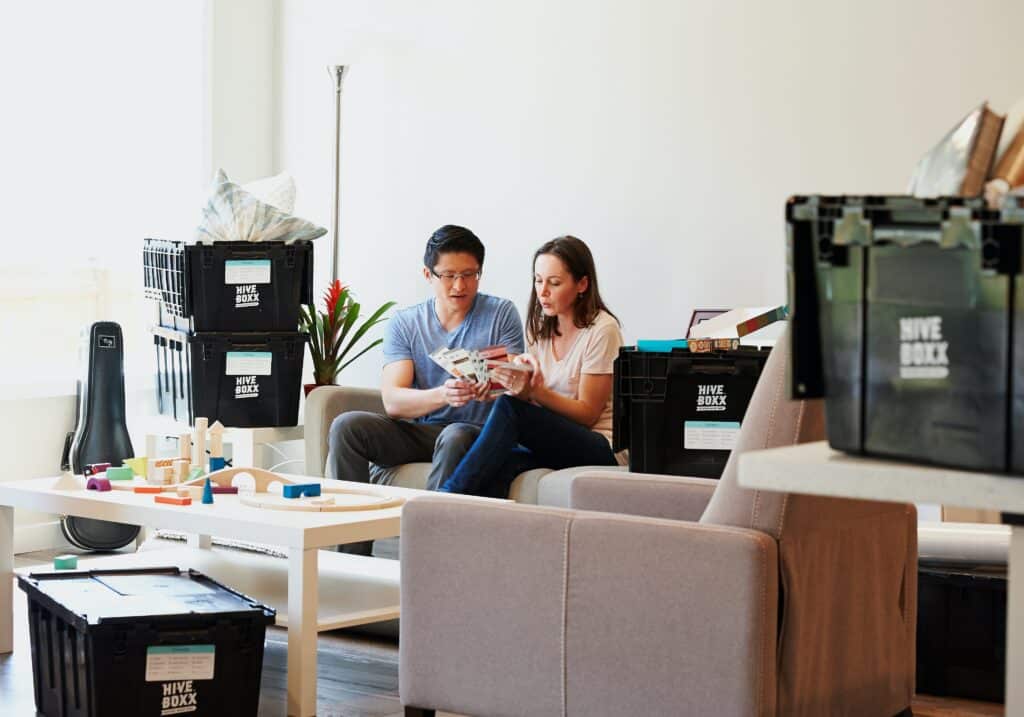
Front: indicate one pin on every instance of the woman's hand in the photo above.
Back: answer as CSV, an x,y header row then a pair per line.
x,y
520,383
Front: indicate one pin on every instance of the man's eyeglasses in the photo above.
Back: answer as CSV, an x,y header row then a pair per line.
x,y
449,277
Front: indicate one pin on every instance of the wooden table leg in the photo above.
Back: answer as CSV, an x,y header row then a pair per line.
x,y
302,631
1015,623
6,578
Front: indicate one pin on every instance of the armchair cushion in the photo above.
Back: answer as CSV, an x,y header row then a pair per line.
x,y
655,496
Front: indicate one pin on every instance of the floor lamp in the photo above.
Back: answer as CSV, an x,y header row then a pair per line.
x,y
337,73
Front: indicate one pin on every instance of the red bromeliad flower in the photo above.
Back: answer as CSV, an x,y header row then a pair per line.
x,y
332,295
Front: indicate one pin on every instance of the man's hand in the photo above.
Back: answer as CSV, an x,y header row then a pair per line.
x,y
458,392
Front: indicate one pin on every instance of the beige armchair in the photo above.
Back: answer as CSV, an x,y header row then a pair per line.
x,y
680,597
541,486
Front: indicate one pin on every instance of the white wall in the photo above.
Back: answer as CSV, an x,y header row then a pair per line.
x,y
665,134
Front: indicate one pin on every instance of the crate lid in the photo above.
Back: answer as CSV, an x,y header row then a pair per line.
x,y
97,596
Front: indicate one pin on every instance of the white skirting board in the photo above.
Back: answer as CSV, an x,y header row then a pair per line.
x,y
39,536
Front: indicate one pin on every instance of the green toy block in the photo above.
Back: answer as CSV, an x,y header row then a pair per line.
x,y
65,562
195,473
120,473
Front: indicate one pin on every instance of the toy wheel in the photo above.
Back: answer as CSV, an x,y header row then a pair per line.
x,y
92,534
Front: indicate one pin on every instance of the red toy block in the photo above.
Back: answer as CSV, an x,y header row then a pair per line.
x,y
92,469
148,489
173,499
224,489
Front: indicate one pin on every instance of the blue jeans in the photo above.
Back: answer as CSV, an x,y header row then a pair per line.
x,y
519,436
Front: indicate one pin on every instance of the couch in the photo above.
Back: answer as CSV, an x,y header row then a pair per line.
x,y
538,487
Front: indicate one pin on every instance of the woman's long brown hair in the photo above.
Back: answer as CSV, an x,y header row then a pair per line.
x,y
580,262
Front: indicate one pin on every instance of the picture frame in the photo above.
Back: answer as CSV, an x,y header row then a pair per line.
x,y
700,315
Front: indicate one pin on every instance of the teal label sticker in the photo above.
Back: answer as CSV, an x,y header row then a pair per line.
x,y
247,271
710,435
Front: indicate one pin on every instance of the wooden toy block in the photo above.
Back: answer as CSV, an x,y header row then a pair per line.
x,y
300,489
216,463
323,500
218,489
172,499
181,466
195,473
100,484
216,442
120,473
65,562
185,446
148,489
93,468
189,491
199,431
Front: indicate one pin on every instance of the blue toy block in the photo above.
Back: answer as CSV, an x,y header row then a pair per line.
x,y
216,464
310,490
207,492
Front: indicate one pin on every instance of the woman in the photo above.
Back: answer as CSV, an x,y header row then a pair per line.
x,y
558,409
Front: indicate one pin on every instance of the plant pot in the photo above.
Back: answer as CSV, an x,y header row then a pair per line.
x,y
307,387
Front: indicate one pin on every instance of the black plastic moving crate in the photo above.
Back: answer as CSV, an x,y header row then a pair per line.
x,y
247,379
904,318
961,633
678,412
145,643
229,286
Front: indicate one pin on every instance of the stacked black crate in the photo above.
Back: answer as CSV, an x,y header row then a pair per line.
x,y
226,338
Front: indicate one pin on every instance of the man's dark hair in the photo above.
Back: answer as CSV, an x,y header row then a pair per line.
x,y
450,239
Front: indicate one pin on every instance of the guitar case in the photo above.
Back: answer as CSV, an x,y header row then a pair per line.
x,y
101,434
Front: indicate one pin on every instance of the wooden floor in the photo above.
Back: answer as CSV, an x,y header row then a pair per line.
x,y
357,675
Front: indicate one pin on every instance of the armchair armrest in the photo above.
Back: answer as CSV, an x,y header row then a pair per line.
x,y
323,405
654,496
599,613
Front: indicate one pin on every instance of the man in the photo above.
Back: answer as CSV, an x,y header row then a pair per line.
x,y
430,416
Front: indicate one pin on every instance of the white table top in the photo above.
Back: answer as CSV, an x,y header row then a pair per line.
x,y
227,517
816,469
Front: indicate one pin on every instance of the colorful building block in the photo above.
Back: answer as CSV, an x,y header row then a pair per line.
x,y
65,562
148,489
120,473
172,500
218,489
92,469
207,493
216,463
300,489
100,484
138,465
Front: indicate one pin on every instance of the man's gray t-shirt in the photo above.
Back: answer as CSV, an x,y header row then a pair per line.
x,y
414,332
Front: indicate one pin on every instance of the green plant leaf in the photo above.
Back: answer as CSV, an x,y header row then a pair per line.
x,y
350,319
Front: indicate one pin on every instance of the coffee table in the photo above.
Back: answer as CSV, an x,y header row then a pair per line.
x,y
356,590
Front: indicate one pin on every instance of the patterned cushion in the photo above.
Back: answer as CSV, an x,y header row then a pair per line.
x,y
234,214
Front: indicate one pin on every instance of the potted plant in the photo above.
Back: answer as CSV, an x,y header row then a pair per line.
x,y
333,333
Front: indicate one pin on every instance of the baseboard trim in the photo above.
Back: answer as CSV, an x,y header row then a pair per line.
x,y
39,536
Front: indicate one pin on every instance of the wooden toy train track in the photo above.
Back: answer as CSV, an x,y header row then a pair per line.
x,y
328,499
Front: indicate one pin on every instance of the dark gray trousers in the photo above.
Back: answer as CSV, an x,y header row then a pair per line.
x,y
361,442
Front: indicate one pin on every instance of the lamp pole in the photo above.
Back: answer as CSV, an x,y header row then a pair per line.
x,y
337,72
